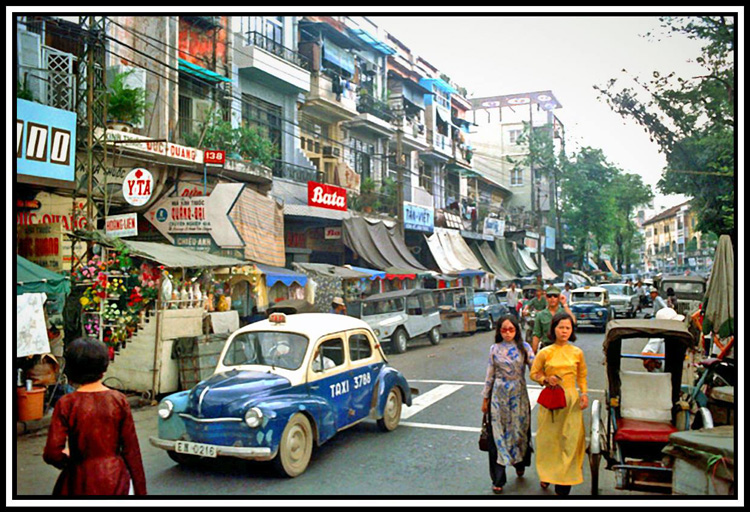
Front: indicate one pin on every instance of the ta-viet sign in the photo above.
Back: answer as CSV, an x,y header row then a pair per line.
x,y
137,187
326,196
122,225
419,218
203,215
45,141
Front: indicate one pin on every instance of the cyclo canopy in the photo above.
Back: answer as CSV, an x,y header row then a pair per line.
x,y
677,339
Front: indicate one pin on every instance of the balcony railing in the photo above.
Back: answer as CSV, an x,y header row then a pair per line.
x,y
442,142
369,105
259,40
296,173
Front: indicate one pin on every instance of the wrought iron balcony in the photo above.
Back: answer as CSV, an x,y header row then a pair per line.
x,y
296,173
259,40
369,105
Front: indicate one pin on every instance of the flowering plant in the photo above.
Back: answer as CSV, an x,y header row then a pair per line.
x,y
115,286
135,300
89,270
91,326
111,313
90,299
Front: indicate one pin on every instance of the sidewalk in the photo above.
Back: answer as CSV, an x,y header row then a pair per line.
x,y
28,427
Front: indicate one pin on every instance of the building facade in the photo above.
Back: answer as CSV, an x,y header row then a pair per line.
x,y
672,243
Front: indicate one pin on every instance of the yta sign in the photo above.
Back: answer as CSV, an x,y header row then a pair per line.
x,y
326,196
137,187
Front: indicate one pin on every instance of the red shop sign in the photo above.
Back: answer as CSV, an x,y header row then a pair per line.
x,y
326,196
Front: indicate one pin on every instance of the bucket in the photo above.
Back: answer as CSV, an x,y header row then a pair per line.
x,y
30,404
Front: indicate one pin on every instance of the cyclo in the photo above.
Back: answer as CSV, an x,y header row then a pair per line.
x,y
642,409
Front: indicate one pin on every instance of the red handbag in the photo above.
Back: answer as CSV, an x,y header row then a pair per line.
x,y
552,397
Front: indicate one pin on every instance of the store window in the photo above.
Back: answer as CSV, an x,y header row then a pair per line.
x,y
516,177
265,116
514,135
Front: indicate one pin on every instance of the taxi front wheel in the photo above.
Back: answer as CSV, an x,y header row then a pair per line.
x,y
296,446
392,411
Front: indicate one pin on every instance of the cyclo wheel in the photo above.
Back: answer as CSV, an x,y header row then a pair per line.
x,y
595,446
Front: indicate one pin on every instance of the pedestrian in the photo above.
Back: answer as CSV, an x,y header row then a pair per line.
x,y
561,436
338,306
506,398
512,298
640,290
543,320
657,300
567,292
538,303
102,456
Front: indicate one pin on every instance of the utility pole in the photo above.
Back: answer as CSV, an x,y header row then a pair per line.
x,y
536,211
399,170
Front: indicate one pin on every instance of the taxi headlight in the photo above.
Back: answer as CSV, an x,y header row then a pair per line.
x,y
600,313
377,332
165,409
253,417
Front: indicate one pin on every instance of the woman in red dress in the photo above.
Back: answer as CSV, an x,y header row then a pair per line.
x,y
103,456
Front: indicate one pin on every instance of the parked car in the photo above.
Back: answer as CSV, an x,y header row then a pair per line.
x,y
400,316
591,306
689,291
282,386
623,298
456,307
488,309
502,296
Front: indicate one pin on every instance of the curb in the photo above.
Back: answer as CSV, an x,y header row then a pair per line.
x,y
32,426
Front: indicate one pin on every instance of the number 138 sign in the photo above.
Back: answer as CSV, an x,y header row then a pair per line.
x,y
214,157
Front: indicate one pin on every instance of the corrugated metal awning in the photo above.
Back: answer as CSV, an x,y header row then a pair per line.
x,y
176,257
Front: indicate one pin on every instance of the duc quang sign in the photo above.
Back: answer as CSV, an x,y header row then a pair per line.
x,y
45,141
419,218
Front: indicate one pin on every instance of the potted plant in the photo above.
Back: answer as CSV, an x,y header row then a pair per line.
x,y
368,198
126,105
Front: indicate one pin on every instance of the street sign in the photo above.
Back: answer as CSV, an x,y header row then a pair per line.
x,y
137,187
214,157
200,215
122,225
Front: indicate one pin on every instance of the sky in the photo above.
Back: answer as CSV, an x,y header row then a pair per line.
x,y
494,54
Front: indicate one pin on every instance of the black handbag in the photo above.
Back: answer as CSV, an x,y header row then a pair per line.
x,y
484,434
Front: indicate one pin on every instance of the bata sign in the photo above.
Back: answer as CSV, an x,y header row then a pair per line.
x,y
326,196
137,187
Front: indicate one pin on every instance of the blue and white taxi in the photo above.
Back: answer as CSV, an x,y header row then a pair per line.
x,y
281,386
591,306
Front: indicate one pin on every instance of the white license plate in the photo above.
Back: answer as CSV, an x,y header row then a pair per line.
x,y
584,322
201,450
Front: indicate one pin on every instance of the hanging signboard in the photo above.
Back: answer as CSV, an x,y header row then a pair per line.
x,y
146,145
326,196
42,244
332,233
200,215
419,218
214,157
549,237
45,141
137,187
122,225
494,227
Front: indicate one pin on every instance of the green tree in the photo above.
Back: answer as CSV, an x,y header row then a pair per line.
x,y
629,193
588,203
692,121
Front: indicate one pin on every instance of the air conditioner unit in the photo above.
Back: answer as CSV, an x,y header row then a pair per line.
x,y
331,151
369,69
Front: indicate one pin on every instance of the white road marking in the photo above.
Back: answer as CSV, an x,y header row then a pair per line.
x,y
425,400
466,383
454,428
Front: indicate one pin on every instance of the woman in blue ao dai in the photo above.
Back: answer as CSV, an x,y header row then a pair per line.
x,y
507,399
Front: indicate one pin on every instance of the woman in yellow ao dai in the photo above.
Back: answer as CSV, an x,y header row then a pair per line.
x,y
560,434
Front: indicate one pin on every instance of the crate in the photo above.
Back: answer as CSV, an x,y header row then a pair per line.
x,y
201,362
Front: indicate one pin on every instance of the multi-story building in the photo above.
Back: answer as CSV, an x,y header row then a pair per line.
x,y
672,244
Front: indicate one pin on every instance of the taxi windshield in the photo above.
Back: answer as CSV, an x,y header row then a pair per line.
x,y
282,349
586,297
617,289
382,307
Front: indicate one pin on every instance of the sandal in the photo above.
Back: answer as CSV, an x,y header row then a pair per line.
x,y
520,472
544,484
497,490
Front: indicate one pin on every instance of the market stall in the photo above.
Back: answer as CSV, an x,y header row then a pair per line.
x,y
37,368
328,281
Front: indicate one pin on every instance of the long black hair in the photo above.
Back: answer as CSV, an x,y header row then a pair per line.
x,y
560,316
518,339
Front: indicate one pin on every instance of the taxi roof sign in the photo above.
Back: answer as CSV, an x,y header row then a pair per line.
x,y
277,318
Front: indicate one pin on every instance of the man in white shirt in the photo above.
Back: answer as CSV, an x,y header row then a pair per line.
x,y
659,303
512,298
567,292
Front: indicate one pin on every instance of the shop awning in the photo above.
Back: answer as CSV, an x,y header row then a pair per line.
x,y
32,278
492,263
179,257
201,72
504,253
332,270
373,41
609,266
381,246
547,273
439,83
281,275
526,258
373,274
338,57
450,251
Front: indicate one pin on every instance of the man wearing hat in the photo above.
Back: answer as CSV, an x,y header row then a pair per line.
x,y
543,319
656,345
657,300
338,307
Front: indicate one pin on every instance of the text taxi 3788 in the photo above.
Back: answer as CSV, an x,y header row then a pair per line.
x,y
282,385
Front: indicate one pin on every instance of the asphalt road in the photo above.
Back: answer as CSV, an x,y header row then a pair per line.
x,y
433,453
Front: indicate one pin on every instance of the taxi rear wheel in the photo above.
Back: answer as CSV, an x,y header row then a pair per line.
x,y
392,411
296,446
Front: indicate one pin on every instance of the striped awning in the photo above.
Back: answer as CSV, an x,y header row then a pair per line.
x,y
201,72
260,221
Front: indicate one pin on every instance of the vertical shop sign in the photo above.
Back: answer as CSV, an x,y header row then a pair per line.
x,y
42,244
45,141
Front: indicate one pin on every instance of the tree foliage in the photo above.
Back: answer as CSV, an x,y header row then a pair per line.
x,y
692,120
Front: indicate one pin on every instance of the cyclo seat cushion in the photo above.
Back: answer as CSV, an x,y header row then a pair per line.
x,y
639,431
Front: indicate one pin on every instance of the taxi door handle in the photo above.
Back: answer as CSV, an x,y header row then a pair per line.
x,y
314,387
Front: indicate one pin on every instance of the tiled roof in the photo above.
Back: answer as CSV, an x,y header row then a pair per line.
x,y
670,212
